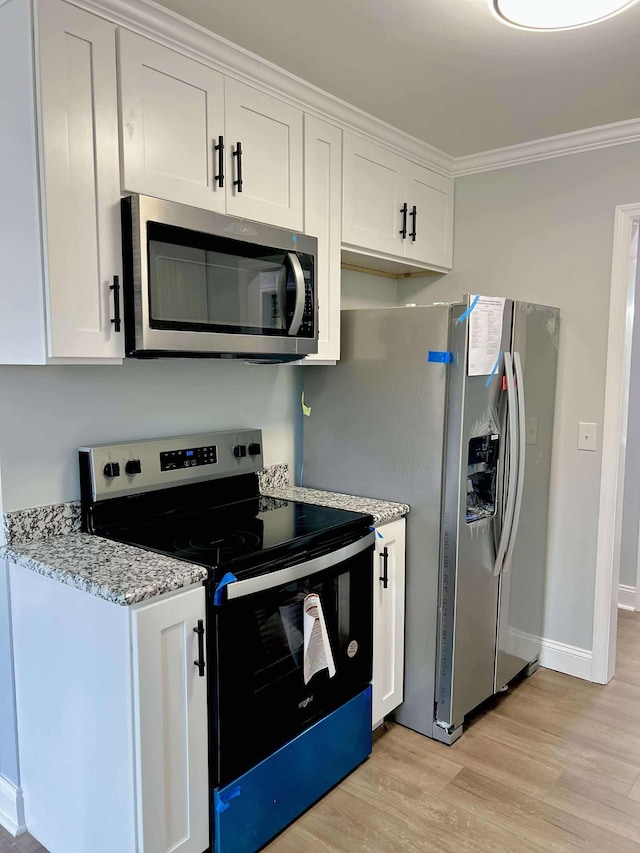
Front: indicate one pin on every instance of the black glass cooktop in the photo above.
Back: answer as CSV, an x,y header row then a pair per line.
x,y
246,535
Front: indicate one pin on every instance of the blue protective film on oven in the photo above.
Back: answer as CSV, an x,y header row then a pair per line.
x,y
217,595
278,789
440,357
221,799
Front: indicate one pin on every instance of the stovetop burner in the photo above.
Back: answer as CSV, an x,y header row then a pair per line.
x,y
217,546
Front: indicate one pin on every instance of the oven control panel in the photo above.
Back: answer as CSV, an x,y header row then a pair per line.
x,y
170,460
117,470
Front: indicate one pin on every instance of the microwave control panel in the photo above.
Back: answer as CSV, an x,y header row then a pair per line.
x,y
306,326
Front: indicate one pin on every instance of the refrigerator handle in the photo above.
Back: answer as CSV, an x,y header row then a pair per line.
x,y
507,520
522,450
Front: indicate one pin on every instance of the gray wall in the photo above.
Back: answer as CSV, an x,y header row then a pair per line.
x,y
46,412
543,232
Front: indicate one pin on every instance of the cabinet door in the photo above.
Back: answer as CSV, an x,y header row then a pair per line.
x,y
172,112
81,188
432,196
373,197
323,219
388,619
270,132
170,702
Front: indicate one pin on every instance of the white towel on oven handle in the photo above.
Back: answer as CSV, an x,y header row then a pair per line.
x,y
317,649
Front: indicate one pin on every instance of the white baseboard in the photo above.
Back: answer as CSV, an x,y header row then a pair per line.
x,y
11,807
572,660
626,597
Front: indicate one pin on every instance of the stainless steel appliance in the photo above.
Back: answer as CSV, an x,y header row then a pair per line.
x,y
197,283
471,454
280,732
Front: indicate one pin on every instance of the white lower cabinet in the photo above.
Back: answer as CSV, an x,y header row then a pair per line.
x,y
388,619
170,703
112,719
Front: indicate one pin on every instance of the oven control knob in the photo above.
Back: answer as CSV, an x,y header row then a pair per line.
x,y
133,466
254,449
111,469
240,451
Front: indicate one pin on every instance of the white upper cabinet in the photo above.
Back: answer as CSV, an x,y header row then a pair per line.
x,y
395,208
172,112
429,216
373,193
191,135
59,256
269,162
322,219
79,138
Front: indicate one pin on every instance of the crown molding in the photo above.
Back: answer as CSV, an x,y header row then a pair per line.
x,y
605,136
155,22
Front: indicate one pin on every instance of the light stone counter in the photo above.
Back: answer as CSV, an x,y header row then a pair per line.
x,y
48,541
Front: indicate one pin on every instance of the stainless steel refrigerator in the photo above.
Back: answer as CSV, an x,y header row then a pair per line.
x,y
419,411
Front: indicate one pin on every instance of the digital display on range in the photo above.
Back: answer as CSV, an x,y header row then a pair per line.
x,y
172,460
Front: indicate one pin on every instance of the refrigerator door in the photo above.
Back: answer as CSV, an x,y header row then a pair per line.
x,y
473,503
522,582
376,428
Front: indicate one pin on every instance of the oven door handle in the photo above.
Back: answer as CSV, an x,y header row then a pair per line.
x,y
282,577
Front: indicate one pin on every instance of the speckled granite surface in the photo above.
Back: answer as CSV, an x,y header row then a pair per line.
x,y
273,477
39,522
380,510
47,541
118,573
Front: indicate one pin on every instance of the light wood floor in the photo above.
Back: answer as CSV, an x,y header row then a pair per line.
x,y
551,765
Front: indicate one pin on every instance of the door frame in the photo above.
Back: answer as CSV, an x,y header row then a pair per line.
x,y
614,439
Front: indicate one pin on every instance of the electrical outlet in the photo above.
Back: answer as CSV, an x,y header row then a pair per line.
x,y
532,430
587,434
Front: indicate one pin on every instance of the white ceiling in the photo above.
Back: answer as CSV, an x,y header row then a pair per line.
x,y
444,71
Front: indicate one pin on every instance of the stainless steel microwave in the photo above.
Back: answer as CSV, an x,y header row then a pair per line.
x,y
201,284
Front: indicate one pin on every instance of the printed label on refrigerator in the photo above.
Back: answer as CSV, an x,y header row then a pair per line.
x,y
485,334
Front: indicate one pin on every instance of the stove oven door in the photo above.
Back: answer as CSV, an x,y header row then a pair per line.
x,y
259,697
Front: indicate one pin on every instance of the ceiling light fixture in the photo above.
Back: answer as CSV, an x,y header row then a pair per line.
x,y
556,14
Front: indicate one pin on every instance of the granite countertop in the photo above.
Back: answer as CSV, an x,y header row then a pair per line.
x,y
47,540
382,511
111,570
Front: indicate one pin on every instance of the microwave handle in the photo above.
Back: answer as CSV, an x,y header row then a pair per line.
x,y
298,311
282,577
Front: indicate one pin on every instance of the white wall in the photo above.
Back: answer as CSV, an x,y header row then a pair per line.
x,y
631,500
47,412
543,232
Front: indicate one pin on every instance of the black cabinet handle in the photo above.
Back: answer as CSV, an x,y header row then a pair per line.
x,y
117,322
220,149
238,153
200,662
414,216
385,567
403,230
